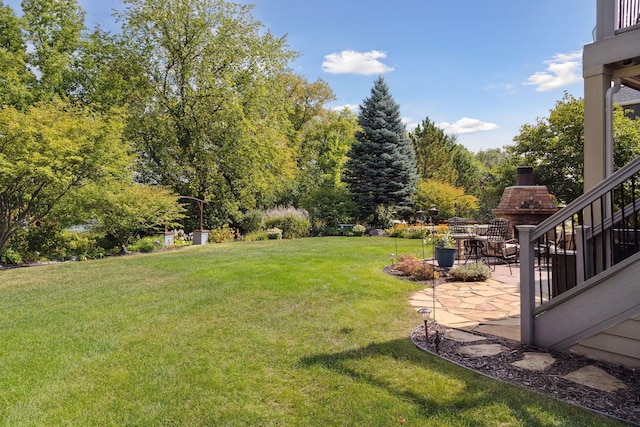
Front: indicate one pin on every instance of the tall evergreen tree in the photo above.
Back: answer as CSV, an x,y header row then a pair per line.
x,y
381,169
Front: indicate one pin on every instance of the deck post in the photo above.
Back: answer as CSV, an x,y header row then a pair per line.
x,y
527,283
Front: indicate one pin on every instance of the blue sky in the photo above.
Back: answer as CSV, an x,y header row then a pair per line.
x,y
480,69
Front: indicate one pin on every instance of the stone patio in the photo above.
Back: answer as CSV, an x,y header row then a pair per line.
x,y
493,307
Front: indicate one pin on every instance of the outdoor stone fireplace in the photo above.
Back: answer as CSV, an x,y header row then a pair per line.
x,y
525,203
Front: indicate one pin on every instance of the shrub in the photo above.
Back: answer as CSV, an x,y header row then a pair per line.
x,y
473,272
255,236
415,268
10,256
274,234
293,222
358,230
251,222
328,207
146,244
221,235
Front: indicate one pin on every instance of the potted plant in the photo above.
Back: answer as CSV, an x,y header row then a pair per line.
x,y
445,249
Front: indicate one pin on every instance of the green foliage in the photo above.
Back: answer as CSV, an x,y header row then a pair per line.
x,y
498,174
145,244
222,235
274,233
381,169
449,200
123,210
443,239
53,30
292,222
555,145
10,256
323,143
412,232
15,78
50,152
213,120
328,207
434,152
471,272
358,230
251,222
383,216
255,236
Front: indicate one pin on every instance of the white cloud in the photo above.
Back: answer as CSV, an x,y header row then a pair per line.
x,y
563,70
353,107
409,124
467,125
506,87
352,62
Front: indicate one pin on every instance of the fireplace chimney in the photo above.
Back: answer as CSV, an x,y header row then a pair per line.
x,y
525,203
525,176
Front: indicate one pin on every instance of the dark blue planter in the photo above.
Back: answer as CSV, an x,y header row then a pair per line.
x,y
446,257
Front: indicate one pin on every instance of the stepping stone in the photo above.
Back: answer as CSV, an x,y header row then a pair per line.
x,y
481,350
460,336
535,361
595,378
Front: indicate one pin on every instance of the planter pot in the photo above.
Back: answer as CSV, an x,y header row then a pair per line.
x,y
446,257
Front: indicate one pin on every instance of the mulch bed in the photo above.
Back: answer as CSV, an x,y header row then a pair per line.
x,y
622,404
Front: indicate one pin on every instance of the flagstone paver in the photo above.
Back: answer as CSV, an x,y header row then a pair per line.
x,y
461,336
481,350
469,305
535,361
594,377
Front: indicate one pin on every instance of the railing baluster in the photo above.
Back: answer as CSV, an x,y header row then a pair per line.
x,y
608,218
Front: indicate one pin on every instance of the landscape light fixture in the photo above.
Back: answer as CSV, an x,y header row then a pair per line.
x,y
426,315
433,212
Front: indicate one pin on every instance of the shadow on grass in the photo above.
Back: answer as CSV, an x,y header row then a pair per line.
x,y
476,397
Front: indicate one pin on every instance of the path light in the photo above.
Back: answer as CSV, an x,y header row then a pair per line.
x,y
426,315
433,212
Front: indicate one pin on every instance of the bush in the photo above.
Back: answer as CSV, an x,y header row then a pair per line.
x,y
251,222
358,230
473,272
328,207
404,232
293,222
255,236
10,256
274,234
146,244
415,268
221,235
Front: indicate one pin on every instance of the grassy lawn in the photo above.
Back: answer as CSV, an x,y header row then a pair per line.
x,y
307,332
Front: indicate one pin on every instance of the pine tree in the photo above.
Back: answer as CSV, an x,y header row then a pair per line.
x,y
381,170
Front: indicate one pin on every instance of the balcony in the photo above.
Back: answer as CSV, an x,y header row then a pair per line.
x,y
616,42
615,17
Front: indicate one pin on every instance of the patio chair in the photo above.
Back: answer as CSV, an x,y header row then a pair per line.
x,y
498,246
459,230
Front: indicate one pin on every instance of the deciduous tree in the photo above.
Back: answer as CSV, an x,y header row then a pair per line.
x,y
213,123
48,152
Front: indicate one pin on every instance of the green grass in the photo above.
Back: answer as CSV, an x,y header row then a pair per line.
x,y
307,332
